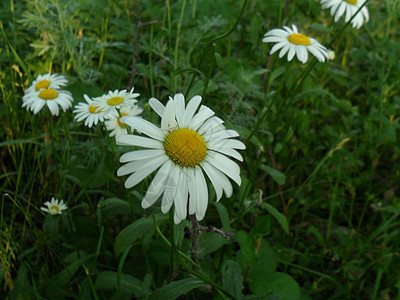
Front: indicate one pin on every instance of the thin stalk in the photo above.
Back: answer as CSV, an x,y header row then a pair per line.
x,y
194,248
177,44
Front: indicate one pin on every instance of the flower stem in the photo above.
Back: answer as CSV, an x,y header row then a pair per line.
x,y
194,248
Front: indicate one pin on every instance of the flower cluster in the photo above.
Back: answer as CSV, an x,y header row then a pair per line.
x,y
109,109
291,42
46,90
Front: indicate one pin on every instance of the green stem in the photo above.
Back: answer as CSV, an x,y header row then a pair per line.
x,y
177,44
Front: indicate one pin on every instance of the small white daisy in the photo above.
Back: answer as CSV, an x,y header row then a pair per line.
x,y
186,145
348,7
54,207
47,81
293,42
115,125
88,112
109,103
53,98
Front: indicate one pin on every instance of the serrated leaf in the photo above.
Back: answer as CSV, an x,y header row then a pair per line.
x,y
124,283
176,289
278,216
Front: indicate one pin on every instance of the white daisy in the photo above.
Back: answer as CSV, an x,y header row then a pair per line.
x,y
350,7
109,103
293,42
187,144
47,81
53,98
115,125
88,112
54,207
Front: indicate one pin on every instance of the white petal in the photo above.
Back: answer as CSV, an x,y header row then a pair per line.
x,y
278,46
192,187
229,143
191,109
168,119
179,109
171,185
144,126
210,125
138,176
285,50
198,120
291,53
202,194
220,135
135,140
157,186
213,176
53,107
140,154
225,165
157,106
181,196
228,151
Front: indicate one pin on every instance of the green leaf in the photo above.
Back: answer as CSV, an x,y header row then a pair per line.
x,y
279,177
275,74
224,216
279,283
176,289
278,216
114,206
126,284
210,242
65,275
232,278
247,246
135,231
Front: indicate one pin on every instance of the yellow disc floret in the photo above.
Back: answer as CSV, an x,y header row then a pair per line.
x,y
115,101
352,2
119,122
185,147
299,39
42,84
48,94
92,109
55,207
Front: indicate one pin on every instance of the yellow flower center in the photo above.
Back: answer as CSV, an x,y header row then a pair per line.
x,y
185,147
352,2
42,84
92,109
119,122
48,94
54,207
115,101
299,39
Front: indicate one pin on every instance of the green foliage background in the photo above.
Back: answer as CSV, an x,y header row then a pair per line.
x,y
317,214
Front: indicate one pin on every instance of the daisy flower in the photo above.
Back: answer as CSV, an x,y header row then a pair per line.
x,y
47,81
35,100
186,145
116,126
109,103
54,207
350,7
88,112
293,42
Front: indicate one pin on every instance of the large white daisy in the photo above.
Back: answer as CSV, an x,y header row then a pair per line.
x,y
54,207
47,81
292,42
53,98
109,103
116,126
348,7
186,145
88,112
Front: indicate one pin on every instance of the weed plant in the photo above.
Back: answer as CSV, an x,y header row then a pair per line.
x,y
317,213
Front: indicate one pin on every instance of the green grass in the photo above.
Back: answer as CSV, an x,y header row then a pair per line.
x,y
323,153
